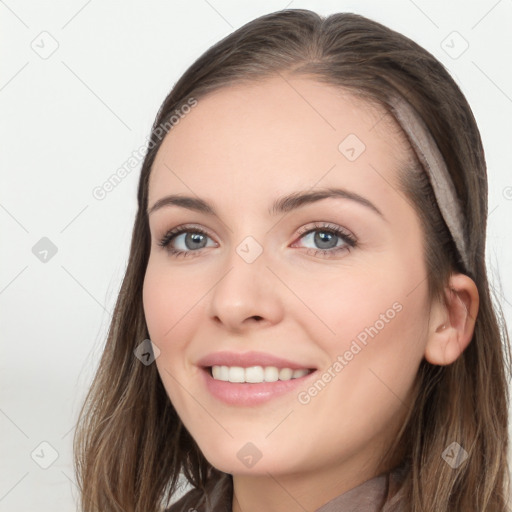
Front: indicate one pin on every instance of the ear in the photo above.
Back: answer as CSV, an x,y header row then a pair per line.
x,y
452,324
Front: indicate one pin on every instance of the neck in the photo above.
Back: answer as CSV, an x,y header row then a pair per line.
x,y
297,492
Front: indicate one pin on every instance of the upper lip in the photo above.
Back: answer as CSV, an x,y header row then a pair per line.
x,y
246,359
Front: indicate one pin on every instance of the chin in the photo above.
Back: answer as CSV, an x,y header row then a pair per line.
x,y
246,457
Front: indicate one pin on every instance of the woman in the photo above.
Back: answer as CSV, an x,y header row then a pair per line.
x,y
308,262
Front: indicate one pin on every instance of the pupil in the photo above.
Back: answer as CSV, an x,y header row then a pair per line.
x,y
323,237
195,238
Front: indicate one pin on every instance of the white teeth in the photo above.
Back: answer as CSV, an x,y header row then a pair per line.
x,y
256,374
285,373
236,374
220,372
271,374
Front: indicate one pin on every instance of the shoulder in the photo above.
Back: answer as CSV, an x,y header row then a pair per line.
x,y
396,500
188,501
215,497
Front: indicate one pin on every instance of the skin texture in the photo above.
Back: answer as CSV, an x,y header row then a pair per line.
x,y
239,149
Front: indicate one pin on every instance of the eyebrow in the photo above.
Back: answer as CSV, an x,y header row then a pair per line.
x,y
283,204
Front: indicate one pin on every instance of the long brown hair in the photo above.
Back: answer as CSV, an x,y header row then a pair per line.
x,y
130,445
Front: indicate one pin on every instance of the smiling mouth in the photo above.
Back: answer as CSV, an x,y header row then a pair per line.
x,y
255,374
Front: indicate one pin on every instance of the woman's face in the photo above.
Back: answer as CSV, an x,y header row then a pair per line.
x,y
268,278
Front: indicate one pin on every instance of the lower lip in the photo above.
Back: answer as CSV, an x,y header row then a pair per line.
x,y
248,394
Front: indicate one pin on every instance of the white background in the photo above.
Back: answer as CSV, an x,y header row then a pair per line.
x,y
70,120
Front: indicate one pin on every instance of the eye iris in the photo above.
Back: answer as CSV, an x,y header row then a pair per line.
x,y
322,237
194,238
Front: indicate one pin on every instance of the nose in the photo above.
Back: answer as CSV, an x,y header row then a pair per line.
x,y
248,294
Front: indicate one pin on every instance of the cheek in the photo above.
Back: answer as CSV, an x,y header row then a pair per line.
x,y
381,347
372,363
169,309
173,306
344,304
169,300
373,321
158,300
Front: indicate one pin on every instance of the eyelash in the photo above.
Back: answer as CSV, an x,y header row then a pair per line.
x,y
349,240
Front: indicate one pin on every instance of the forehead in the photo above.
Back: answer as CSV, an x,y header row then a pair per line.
x,y
279,134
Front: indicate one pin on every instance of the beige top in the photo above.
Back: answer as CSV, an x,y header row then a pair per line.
x,y
370,496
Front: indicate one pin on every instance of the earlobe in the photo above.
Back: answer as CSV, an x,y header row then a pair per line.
x,y
452,324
